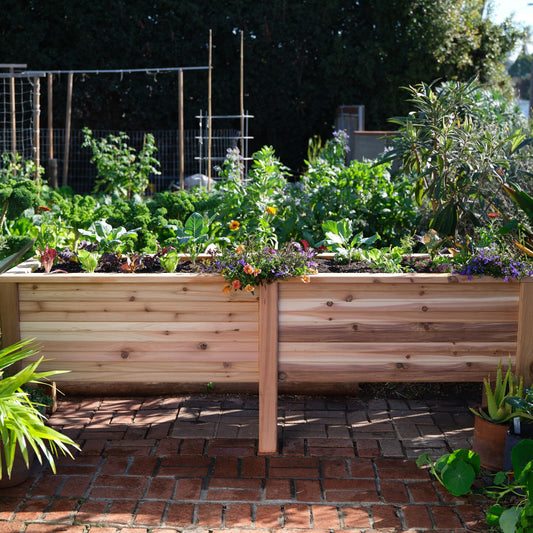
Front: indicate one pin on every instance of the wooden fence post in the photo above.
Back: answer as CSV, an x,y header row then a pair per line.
x,y
268,369
524,348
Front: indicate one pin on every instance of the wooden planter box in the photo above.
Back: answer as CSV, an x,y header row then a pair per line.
x,y
145,328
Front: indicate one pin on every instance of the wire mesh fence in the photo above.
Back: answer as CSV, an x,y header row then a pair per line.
x,y
82,173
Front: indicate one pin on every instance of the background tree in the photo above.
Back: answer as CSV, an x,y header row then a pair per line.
x,y
303,58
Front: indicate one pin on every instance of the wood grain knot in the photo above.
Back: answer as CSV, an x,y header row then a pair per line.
x,y
132,298
424,308
349,298
355,327
329,303
202,346
124,355
282,376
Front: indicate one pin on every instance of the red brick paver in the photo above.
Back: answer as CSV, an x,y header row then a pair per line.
x,y
341,466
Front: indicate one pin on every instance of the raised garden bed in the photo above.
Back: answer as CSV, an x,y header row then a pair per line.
x,y
110,329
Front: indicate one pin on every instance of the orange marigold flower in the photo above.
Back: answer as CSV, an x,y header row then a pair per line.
x,y
249,288
248,269
271,210
236,285
227,289
234,225
240,249
44,208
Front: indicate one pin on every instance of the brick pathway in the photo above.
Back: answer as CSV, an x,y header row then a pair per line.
x,y
174,464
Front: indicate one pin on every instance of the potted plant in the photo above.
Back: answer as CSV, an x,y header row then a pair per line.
x,y
522,426
492,422
23,429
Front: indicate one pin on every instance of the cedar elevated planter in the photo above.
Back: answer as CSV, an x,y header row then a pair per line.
x,y
110,329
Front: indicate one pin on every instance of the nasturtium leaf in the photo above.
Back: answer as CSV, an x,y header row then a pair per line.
x,y
458,477
493,514
508,519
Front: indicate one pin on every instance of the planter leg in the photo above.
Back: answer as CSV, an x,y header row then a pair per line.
x,y
268,370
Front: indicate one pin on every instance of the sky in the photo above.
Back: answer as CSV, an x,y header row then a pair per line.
x,y
522,11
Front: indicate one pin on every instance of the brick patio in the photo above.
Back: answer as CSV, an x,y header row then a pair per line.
x,y
191,463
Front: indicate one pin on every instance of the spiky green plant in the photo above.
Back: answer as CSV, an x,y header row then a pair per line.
x,y
504,387
22,425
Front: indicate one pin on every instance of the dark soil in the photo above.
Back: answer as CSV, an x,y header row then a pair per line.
x,y
323,266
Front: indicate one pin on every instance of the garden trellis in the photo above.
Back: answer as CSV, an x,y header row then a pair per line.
x,y
207,140
20,112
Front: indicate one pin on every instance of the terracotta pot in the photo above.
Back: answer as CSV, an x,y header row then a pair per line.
x,y
20,471
489,443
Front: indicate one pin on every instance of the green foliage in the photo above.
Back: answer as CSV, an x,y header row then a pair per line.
x,y
505,386
177,204
367,194
122,171
109,239
340,239
169,261
458,471
22,425
255,205
450,143
88,260
18,191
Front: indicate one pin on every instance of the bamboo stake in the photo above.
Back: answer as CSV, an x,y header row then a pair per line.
x,y
67,127
37,127
13,112
242,104
181,132
52,163
209,110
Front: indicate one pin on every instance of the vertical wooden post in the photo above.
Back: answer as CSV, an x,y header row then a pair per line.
x,y
181,132
524,348
243,151
9,313
13,112
37,128
52,163
67,127
209,110
268,369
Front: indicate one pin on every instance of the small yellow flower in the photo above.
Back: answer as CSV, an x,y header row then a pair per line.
x,y
271,210
227,289
239,249
249,288
236,285
234,225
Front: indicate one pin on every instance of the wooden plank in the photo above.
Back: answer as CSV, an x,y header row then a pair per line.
x,y
224,354
389,372
154,372
268,370
139,293
141,316
335,351
354,331
9,314
386,278
524,352
318,319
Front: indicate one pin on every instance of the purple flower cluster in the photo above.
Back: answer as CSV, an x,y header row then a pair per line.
x,y
485,261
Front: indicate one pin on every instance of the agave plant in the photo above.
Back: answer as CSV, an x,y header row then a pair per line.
x,y
22,425
506,386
